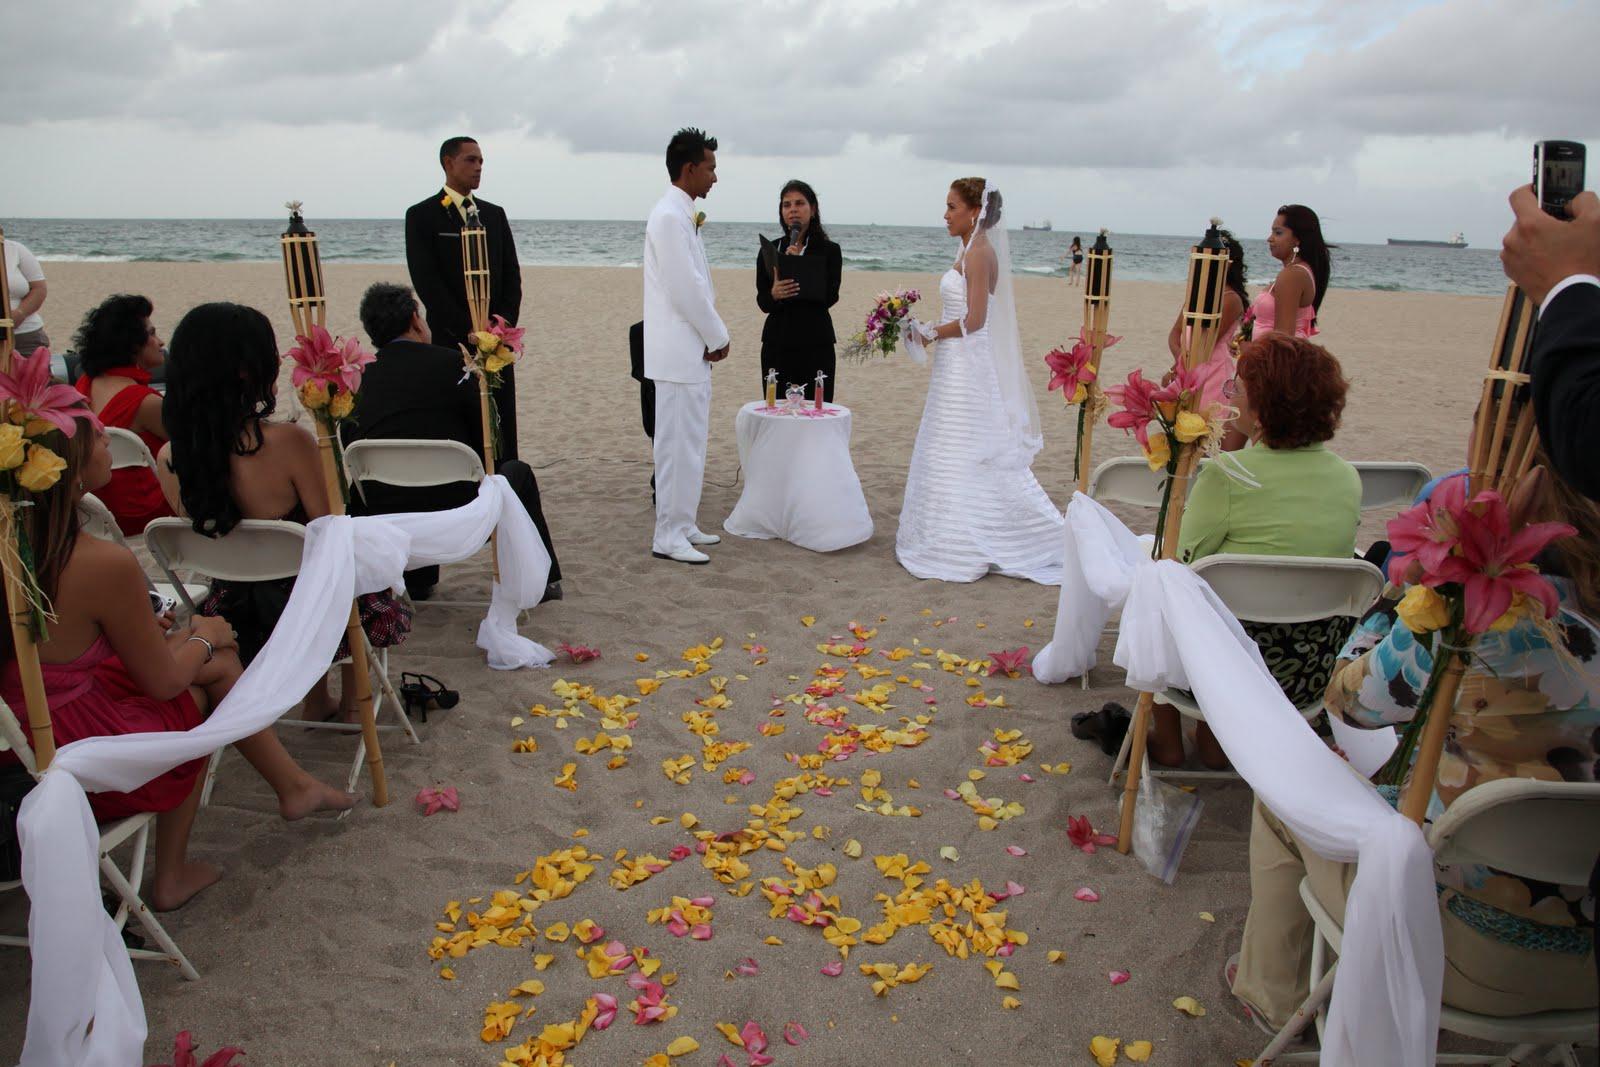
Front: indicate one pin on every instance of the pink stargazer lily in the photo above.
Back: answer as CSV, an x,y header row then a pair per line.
x,y
1136,399
508,335
183,1054
1011,663
1070,368
1493,562
31,389
1427,533
1197,389
328,359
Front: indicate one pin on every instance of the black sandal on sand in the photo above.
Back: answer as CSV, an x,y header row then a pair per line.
x,y
1108,726
424,691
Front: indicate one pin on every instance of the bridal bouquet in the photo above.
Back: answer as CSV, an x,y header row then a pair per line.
x,y
884,325
327,374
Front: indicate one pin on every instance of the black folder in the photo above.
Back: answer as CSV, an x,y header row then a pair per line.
x,y
809,271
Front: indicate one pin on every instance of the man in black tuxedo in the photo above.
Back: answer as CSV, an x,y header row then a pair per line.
x,y
433,255
1557,263
414,389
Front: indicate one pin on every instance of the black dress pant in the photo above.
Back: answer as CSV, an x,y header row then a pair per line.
x,y
526,486
798,365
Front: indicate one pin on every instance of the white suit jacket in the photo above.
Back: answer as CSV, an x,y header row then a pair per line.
x,y
680,314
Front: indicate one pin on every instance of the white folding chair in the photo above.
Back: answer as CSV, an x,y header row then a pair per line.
x,y
1544,831
260,550
1386,484
128,449
134,829
96,520
1273,589
413,463
1127,480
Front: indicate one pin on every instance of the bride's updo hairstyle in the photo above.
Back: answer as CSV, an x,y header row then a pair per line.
x,y
970,190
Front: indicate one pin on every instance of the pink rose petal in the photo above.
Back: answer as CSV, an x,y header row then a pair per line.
x,y
608,1010
1006,949
952,794
701,932
1087,895
726,1061
747,967
1013,889
1025,776
834,969
794,1033
1016,850
1118,977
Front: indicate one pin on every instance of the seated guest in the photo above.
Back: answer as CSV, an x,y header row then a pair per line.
x,y
112,667
117,349
1529,707
1285,495
415,389
226,462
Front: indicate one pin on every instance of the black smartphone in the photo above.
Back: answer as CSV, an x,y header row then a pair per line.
x,y
1557,174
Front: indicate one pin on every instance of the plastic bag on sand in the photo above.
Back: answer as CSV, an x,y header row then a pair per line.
x,y
1162,825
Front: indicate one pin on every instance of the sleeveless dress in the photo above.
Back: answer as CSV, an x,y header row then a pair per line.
x,y
965,514
253,608
94,696
1265,313
133,495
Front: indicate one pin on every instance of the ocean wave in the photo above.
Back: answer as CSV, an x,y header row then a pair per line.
x,y
85,257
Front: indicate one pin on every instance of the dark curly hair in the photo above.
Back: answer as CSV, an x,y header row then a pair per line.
x,y
1296,388
221,370
1237,279
795,185
112,334
386,311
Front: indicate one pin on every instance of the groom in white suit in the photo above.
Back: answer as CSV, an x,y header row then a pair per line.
x,y
683,336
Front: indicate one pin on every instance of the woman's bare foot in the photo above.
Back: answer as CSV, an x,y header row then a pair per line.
x,y
310,795
169,892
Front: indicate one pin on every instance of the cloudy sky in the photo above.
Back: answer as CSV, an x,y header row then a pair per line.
x,y
1391,117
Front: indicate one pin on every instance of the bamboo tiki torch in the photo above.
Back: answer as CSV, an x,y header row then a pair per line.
x,y
475,275
1202,316
1500,455
17,605
308,307
1096,318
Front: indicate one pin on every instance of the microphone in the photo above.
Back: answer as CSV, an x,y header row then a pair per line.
x,y
794,235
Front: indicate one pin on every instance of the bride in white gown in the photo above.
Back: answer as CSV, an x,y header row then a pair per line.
x,y
972,504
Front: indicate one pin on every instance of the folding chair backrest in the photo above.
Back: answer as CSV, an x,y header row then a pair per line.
x,y
1289,589
411,462
256,550
127,450
1127,480
96,520
1546,831
1390,484
14,736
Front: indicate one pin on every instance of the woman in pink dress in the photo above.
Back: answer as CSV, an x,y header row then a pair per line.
x,y
1291,303
119,348
112,667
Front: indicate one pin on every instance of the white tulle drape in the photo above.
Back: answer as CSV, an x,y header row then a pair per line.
x,y
1176,633
85,1007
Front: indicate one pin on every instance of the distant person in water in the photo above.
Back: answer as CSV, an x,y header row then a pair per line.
x,y
1075,266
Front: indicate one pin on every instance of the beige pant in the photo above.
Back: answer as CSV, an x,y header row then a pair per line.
x,y
1481,974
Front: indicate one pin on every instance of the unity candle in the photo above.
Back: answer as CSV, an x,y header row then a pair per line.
x,y
772,388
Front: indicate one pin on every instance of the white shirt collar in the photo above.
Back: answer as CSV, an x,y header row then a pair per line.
x,y
683,200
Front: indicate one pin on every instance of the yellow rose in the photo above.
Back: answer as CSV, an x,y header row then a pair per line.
x,y
1079,394
41,470
314,395
1521,607
496,363
1168,409
1159,452
1423,610
341,406
486,343
12,447
1189,427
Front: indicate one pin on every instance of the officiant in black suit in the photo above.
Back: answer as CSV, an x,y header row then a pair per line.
x,y
798,337
433,255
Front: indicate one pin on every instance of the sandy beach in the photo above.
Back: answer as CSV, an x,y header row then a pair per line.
x,y
314,948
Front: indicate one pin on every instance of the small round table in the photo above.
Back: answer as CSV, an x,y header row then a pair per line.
x,y
799,483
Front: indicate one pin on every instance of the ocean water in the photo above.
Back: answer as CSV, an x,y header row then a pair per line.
x,y
545,242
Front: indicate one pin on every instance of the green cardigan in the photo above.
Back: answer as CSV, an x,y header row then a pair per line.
x,y
1308,504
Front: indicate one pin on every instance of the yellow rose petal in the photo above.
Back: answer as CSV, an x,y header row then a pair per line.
x,y
682,1046
852,848
1189,1006
1207,917
1055,955
948,852
1104,1050
1138,1051
1010,1003
807,620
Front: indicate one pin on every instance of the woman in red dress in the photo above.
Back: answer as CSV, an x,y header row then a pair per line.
x,y
119,348
112,667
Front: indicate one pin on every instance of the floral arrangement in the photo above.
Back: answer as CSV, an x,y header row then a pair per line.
x,y
496,348
882,330
1073,372
327,374
1189,409
37,406
1469,567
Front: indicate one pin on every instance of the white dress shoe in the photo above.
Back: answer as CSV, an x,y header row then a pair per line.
x,y
683,555
698,538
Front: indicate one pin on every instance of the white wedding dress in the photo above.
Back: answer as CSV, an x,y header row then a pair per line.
x,y
972,504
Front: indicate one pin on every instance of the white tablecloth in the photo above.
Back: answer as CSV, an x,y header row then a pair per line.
x,y
799,483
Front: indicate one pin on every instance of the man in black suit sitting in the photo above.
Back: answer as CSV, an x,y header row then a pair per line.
x,y
433,255
415,389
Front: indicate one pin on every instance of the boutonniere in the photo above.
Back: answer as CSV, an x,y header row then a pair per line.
x,y
444,201
699,220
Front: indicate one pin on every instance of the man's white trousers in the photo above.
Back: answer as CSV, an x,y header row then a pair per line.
x,y
683,420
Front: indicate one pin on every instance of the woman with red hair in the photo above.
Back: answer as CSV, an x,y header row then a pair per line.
x,y
1285,494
